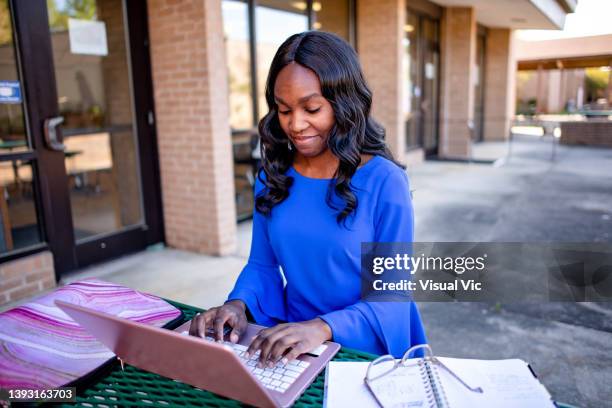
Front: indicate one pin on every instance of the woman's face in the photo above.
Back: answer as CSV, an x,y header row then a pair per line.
x,y
304,114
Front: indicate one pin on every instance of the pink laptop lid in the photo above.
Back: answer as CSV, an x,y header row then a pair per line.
x,y
203,364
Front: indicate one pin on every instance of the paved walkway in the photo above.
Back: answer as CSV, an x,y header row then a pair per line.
x,y
524,198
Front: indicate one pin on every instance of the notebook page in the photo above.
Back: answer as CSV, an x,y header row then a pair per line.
x,y
404,387
345,387
506,384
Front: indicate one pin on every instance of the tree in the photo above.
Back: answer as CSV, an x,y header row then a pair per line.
x,y
81,9
6,30
596,83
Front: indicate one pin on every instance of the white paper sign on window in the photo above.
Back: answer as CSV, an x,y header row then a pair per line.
x,y
430,71
87,37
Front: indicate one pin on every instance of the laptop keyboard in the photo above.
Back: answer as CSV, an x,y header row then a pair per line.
x,y
278,378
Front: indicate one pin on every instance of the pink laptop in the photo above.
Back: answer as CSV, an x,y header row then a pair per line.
x,y
217,367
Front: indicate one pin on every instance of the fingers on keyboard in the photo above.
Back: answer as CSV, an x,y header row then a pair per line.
x,y
278,378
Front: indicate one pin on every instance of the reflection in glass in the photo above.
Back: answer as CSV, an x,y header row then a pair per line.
x,y
421,81
412,90
12,121
18,222
19,226
243,144
429,102
94,91
276,20
237,46
479,88
236,31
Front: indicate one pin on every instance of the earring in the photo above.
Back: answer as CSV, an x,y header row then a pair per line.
x,y
289,146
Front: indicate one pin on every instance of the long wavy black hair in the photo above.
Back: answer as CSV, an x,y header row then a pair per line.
x,y
355,132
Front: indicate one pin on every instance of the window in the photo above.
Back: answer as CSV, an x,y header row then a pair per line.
x,y
19,226
479,85
253,30
421,62
236,30
412,89
275,22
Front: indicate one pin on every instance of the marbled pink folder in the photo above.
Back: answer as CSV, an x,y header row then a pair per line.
x,y
41,347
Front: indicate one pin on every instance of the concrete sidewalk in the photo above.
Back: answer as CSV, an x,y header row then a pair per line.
x,y
524,198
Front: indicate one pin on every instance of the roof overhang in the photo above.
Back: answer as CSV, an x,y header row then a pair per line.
x,y
580,52
517,14
566,63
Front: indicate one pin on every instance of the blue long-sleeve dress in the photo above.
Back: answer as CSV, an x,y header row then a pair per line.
x,y
320,260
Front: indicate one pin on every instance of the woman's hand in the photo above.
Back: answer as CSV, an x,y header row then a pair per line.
x,y
288,341
232,313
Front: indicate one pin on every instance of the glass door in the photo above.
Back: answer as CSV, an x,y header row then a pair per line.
x,y
20,229
429,103
412,81
479,87
92,75
421,81
93,128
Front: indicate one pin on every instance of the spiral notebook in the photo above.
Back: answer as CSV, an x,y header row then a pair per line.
x,y
504,384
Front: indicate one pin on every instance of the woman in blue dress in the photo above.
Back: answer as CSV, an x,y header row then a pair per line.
x,y
328,183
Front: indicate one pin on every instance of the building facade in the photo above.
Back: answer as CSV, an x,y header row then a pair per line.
x,y
124,124
565,75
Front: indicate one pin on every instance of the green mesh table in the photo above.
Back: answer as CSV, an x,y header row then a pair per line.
x,y
132,387
137,388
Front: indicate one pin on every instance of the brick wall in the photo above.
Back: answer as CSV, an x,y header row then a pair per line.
x,y
380,31
333,17
26,277
591,133
191,104
500,84
458,54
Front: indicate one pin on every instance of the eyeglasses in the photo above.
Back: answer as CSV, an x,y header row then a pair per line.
x,y
385,365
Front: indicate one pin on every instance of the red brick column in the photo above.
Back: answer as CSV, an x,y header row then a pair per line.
x,y
458,32
380,31
191,104
500,84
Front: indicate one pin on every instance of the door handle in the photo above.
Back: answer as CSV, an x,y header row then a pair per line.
x,y
50,128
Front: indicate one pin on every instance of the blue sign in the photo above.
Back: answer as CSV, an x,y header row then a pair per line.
x,y
10,92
